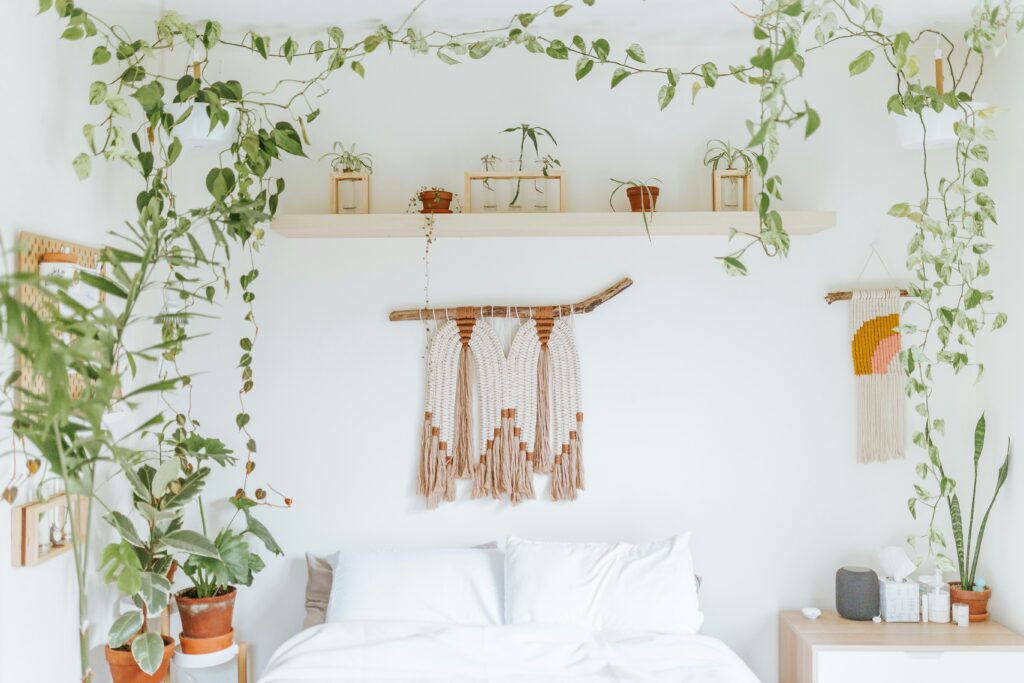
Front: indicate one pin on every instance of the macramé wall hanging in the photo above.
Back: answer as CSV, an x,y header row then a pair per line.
x,y
875,345
498,419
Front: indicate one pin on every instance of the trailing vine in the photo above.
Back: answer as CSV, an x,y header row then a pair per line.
x,y
170,248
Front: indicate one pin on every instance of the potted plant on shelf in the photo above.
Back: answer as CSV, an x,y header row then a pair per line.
x,y
971,590
432,200
350,167
726,194
643,197
533,134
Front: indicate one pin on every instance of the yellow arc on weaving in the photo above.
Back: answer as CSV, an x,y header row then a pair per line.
x,y
867,340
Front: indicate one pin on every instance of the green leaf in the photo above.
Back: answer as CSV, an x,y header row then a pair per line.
x,y
124,527
526,18
148,651
601,49
979,177
979,438
899,210
357,67
257,529
813,122
191,542
999,321
557,50
733,266
45,5
862,63
102,284
584,65
101,55
620,75
155,591
480,49
561,8
82,165
126,626
665,95
174,151
73,33
165,474
636,52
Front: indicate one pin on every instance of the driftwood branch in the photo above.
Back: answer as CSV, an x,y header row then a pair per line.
x,y
833,297
585,306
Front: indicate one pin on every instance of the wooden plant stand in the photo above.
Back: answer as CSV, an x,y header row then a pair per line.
x,y
513,175
362,178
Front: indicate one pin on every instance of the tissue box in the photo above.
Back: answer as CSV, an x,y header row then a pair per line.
x,y
899,600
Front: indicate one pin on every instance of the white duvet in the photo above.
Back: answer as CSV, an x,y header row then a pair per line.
x,y
415,651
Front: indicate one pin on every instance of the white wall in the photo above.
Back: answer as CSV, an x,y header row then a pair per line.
x,y
46,85
723,406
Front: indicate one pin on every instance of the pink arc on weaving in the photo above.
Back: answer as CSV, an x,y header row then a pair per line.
x,y
886,350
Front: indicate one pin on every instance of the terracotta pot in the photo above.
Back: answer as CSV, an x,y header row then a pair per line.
x,y
642,197
436,201
976,601
202,646
205,617
123,668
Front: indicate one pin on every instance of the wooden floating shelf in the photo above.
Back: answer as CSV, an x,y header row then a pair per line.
x,y
552,224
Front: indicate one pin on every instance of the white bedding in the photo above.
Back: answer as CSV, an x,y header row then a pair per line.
x,y
375,651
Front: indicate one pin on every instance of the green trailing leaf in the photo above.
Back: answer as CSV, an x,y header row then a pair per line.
x,y
862,63
665,95
620,75
165,474
584,65
636,52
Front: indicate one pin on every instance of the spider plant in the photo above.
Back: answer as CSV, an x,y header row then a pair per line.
x,y
722,151
647,205
347,160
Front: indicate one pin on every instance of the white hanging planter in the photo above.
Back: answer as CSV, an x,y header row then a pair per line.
x,y
938,127
195,130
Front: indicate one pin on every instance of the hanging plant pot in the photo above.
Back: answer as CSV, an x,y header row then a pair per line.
x,y
976,601
642,197
124,669
436,201
205,617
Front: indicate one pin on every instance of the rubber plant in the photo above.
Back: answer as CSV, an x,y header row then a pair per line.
x,y
161,245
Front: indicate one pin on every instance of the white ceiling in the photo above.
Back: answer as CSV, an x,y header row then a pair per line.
x,y
662,21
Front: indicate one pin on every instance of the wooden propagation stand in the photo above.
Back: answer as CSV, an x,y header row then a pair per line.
x,y
513,175
25,532
363,179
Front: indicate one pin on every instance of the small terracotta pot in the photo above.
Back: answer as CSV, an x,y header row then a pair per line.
x,y
436,201
202,646
642,197
205,617
124,669
976,601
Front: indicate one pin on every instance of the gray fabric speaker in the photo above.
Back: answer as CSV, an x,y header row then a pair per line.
x,y
857,593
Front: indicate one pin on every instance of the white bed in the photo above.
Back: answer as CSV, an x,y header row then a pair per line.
x,y
373,651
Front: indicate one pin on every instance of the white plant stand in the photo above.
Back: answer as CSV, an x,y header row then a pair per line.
x,y
183,663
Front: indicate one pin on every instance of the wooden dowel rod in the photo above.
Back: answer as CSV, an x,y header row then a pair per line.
x,y
585,306
832,297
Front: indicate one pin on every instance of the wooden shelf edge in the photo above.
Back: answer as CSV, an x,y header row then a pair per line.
x,y
554,224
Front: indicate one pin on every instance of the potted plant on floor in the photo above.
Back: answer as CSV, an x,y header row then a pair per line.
x,y
139,563
643,198
971,590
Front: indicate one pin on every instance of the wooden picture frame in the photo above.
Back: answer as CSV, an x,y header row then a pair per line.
x,y
362,206
513,175
25,520
745,194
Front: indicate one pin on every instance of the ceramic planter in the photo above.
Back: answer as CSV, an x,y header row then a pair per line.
x,y
976,601
436,201
205,617
642,197
124,669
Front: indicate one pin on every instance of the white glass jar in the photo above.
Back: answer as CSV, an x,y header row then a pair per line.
x,y
937,591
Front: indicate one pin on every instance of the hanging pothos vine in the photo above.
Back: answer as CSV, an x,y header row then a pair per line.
x,y
187,252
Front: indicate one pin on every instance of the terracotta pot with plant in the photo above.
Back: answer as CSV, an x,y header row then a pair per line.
x,y
125,667
435,200
970,589
642,195
215,569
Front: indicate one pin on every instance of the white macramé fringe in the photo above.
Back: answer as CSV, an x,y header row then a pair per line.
x,y
880,416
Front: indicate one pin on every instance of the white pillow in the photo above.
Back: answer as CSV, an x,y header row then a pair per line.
x,y
460,586
643,587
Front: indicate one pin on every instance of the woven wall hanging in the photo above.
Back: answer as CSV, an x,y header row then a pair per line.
x,y
498,420
875,343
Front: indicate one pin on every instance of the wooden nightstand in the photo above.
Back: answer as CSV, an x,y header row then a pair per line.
x,y
835,650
